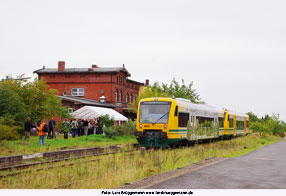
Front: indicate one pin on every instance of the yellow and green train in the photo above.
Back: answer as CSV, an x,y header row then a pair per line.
x,y
169,121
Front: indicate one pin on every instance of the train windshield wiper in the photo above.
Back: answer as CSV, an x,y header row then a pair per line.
x,y
160,117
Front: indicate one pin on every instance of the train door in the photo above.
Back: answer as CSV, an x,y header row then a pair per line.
x,y
193,125
216,126
192,119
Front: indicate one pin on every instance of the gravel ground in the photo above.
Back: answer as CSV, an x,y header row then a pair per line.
x,y
152,180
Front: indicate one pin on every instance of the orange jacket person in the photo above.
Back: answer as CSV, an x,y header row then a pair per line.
x,y
42,133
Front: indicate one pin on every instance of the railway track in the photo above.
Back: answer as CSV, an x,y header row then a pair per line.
x,y
34,164
24,168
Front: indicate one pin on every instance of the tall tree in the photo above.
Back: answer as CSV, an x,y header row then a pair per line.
x,y
164,90
19,99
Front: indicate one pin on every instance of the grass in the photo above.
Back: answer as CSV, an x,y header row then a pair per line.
x,y
114,170
20,147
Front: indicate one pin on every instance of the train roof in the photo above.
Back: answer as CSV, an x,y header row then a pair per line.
x,y
199,109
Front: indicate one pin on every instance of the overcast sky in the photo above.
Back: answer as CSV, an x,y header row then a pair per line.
x,y
233,51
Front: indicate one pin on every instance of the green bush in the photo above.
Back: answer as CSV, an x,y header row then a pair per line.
x,y
8,133
106,120
282,134
109,132
127,128
260,128
9,128
269,126
63,126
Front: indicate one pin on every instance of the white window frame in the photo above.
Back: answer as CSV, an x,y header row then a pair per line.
x,y
78,92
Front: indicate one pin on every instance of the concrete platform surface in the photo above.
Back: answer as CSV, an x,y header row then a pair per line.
x,y
264,168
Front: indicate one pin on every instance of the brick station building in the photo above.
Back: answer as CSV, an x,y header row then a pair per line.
x,y
107,86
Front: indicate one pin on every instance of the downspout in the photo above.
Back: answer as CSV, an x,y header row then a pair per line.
x,y
110,87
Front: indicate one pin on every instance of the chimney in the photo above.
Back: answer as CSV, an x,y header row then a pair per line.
x,y
90,69
147,82
61,66
94,66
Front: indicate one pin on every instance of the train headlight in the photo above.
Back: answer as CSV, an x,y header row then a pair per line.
x,y
140,126
165,126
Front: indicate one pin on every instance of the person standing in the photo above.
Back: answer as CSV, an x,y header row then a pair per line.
x,y
74,127
42,132
52,126
85,127
79,122
89,127
27,128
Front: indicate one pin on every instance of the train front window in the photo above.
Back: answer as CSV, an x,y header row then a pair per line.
x,y
154,112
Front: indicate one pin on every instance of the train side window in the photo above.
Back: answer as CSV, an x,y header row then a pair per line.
x,y
220,122
176,111
205,121
183,119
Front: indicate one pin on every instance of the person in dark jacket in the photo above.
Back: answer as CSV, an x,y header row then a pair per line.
x,y
27,128
85,127
52,126
80,127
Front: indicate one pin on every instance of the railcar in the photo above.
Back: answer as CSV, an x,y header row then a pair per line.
x,y
165,122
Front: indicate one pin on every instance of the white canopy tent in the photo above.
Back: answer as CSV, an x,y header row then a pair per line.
x,y
92,112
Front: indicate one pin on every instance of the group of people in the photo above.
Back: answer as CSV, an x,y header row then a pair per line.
x,y
45,128
83,127
48,128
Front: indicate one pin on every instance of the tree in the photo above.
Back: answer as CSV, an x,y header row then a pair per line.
x,y
164,90
42,102
182,91
252,117
20,99
269,125
11,103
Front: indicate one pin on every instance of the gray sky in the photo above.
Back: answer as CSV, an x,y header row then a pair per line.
x,y
234,51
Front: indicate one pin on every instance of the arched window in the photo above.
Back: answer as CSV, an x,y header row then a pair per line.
x,y
131,98
127,97
120,96
116,95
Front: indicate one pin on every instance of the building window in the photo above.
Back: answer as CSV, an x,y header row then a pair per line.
x,y
52,75
77,91
116,95
98,75
127,97
67,75
120,96
70,110
82,75
131,97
